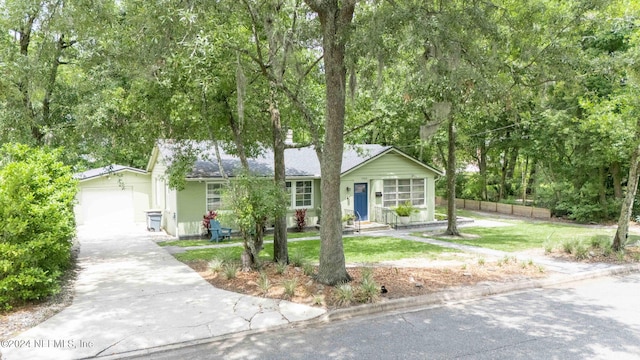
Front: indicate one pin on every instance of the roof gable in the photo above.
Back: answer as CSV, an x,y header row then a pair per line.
x,y
105,170
389,150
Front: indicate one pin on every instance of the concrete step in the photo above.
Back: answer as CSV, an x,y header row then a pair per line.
x,y
366,226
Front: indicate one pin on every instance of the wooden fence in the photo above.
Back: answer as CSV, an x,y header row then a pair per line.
x,y
518,210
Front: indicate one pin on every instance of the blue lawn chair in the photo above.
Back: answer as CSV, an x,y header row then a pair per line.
x,y
217,232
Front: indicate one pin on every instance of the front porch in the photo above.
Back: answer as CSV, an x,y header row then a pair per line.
x,y
388,216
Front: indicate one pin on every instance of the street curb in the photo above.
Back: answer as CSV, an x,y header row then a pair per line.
x,y
477,291
416,303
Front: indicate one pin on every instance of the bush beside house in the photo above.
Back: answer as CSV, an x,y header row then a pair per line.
x,y
37,223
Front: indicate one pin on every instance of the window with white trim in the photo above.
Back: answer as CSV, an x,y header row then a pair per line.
x,y
399,191
302,197
214,196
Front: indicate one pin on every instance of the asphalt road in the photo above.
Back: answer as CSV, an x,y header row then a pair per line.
x,y
596,319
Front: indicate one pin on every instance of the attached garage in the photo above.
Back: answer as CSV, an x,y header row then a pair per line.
x,y
113,195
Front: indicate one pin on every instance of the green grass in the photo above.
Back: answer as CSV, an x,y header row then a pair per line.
x,y
188,243
295,235
463,213
523,235
185,243
237,239
366,249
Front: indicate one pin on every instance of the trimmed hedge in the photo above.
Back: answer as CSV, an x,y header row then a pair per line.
x,y
37,224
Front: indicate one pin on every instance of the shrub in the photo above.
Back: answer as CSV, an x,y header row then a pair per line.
x,y
227,255
301,219
348,218
290,286
568,245
600,242
308,269
230,271
548,246
405,209
216,265
281,268
37,224
369,290
264,284
252,201
297,258
206,220
580,251
318,299
606,251
343,295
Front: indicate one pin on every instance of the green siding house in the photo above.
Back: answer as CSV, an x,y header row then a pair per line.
x,y
375,179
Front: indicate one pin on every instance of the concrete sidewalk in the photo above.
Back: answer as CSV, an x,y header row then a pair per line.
x,y
132,295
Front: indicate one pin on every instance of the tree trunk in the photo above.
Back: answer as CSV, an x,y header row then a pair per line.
x,y
253,244
335,19
452,222
482,166
616,173
25,41
511,170
280,250
524,180
532,176
602,188
503,176
620,238
61,45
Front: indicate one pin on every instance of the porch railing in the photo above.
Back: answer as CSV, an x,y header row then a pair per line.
x,y
388,216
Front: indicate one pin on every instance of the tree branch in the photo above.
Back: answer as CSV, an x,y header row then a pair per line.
x,y
315,5
366,123
346,11
304,75
254,30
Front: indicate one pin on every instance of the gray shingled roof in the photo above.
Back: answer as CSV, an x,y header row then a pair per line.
x,y
110,169
298,162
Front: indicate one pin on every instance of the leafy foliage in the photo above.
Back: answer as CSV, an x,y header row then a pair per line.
x,y
405,209
253,201
37,223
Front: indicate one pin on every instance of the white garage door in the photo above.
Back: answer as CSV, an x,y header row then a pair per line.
x,y
107,206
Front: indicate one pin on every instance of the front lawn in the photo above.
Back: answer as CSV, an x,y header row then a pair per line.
x,y
522,235
295,235
361,249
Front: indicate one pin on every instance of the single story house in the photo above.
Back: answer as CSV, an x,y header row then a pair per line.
x,y
112,194
374,179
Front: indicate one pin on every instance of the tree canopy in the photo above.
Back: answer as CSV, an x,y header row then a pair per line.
x,y
529,101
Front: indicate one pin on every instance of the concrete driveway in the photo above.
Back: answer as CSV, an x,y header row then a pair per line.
x,y
132,295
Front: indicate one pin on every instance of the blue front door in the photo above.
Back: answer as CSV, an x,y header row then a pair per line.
x,y
360,200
